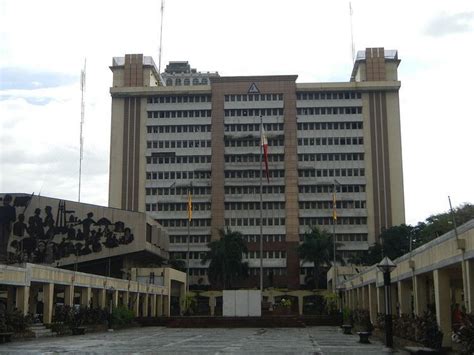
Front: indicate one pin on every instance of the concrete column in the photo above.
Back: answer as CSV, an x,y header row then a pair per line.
x,y
86,295
300,305
102,299
419,291
212,305
10,298
380,299
404,297
153,305
372,302
69,295
48,298
145,305
23,298
115,298
443,303
136,304
468,284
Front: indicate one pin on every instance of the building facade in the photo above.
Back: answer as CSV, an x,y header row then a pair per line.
x,y
167,141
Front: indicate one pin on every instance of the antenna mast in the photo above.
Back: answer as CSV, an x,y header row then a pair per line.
x,y
161,36
352,33
81,139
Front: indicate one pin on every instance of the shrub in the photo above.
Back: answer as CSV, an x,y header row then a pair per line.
x,y
347,316
122,316
16,322
362,319
331,303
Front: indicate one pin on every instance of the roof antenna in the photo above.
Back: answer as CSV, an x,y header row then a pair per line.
x,y
161,36
352,33
81,139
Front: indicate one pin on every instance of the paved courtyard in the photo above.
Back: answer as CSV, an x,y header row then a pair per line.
x,y
153,340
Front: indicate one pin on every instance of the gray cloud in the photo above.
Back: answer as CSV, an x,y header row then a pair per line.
x,y
446,24
27,79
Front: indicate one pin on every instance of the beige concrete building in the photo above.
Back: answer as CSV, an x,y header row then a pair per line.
x,y
434,276
24,287
165,139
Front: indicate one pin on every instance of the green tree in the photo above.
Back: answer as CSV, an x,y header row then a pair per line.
x,y
317,248
178,264
225,255
441,223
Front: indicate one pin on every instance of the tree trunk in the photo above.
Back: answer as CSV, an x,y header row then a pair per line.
x,y
316,275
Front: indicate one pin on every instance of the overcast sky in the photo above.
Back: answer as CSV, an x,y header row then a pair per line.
x,y
43,45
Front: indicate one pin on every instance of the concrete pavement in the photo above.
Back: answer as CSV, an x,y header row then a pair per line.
x,y
153,340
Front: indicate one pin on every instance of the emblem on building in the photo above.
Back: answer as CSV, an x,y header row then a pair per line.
x,y
253,89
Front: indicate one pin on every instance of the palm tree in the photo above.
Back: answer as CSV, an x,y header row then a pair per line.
x,y
225,256
317,248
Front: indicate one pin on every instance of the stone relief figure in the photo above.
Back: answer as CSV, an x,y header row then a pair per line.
x,y
7,217
19,227
44,240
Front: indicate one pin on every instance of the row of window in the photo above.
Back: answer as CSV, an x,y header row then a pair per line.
x,y
330,172
345,237
253,238
178,99
252,174
331,141
198,271
179,144
179,128
254,222
306,126
196,255
197,206
195,239
328,110
176,175
179,114
267,271
324,205
267,254
328,188
253,97
331,157
252,158
253,112
345,95
251,127
252,142
253,190
186,82
201,222
321,221
180,159
245,206
166,191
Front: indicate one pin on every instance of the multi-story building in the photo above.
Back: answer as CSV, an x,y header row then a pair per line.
x,y
321,136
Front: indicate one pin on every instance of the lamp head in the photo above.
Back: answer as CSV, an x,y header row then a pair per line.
x,y
386,265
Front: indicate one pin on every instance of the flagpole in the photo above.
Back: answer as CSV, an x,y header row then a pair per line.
x,y
261,209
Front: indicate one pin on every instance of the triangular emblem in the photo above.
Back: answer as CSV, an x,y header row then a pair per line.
x,y
253,89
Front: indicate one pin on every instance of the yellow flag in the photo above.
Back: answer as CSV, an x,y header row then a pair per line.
x,y
190,206
334,214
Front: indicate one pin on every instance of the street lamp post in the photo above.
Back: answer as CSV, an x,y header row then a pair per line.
x,y
386,266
